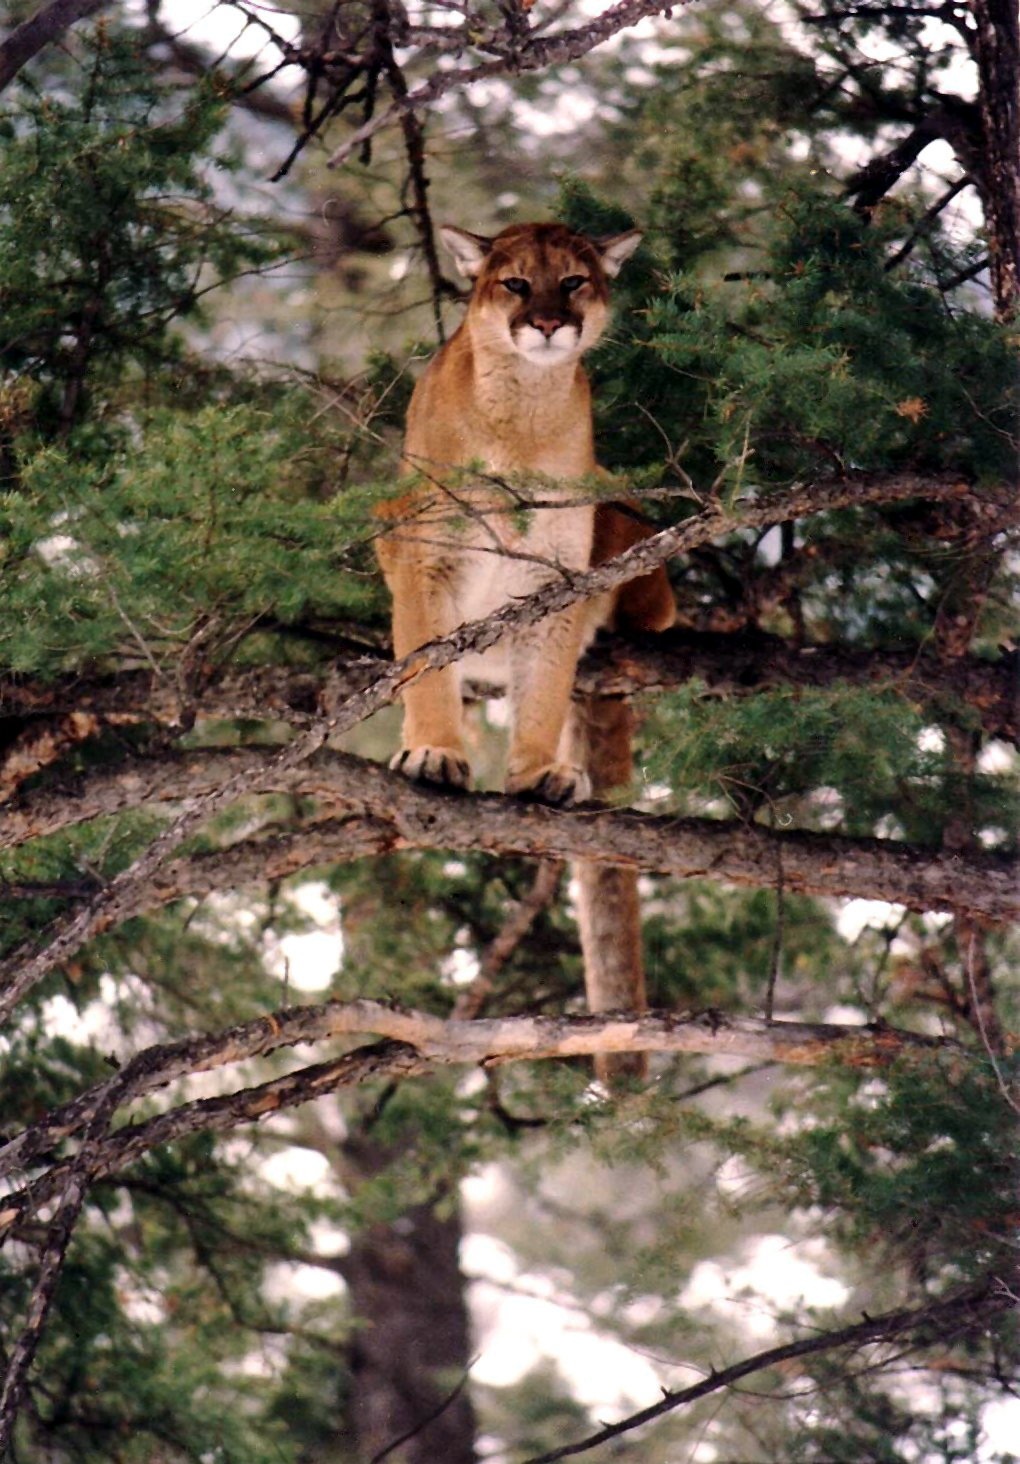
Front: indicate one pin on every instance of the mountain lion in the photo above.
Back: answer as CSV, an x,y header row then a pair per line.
x,y
506,398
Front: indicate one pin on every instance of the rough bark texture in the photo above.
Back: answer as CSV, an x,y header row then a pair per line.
x,y
415,1044
387,813
997,53
737,663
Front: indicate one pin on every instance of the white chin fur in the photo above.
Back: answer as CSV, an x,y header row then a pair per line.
x,y
557,347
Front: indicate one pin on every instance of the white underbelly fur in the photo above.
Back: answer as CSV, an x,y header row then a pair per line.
x,y
488,580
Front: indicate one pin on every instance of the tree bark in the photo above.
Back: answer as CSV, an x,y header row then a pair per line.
x,y
389,814
416,1044
411,1348
44,27
996,50
734,663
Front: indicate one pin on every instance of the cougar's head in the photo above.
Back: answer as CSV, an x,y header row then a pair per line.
x,y
541,291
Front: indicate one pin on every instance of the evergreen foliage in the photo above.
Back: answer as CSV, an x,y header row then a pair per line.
x,y
169,516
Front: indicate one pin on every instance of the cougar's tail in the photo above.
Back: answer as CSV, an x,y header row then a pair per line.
x,y
609,912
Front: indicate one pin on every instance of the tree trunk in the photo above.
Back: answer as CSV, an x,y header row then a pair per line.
x,y
997,53
410,1352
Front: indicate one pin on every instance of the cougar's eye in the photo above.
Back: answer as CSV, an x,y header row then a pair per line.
x,y
516,286
573,282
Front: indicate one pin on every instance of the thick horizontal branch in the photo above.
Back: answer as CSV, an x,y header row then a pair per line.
x,y
415,1042
166,777
744,662
384,813
20,971
740,664
287,693
488,1040
389,814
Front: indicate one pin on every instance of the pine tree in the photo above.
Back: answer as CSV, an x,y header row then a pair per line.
x,y
811,383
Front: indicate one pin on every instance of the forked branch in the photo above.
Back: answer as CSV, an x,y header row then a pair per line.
x,y
414,1044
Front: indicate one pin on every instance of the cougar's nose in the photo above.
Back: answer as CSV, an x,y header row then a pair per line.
x,y
547,324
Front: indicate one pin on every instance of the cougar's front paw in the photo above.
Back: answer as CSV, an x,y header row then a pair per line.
x,y
442,766
559,784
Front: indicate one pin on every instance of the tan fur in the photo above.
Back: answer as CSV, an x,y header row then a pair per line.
x,y
507,394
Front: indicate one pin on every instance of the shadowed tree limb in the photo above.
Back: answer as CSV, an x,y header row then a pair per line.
x,y
389,1060
520,53
739,663
39,31
386,813
73,1188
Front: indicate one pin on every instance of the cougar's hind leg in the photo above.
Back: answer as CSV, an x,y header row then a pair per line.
x,y
433,738
543,660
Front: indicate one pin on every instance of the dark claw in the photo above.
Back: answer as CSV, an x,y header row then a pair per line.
x,y
550,790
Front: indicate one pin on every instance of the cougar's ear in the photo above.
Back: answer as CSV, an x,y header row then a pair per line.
x,y
469,250
616,249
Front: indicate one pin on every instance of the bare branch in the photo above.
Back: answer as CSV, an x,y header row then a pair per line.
x,y
434,1042
751,661
41,30
731,664
385,813
923,224
965,1312
60,1231
529,52
76,1177
215,1115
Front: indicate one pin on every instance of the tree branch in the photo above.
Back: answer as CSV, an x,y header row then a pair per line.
x,y
529,52
959,1314
41,29
26,966
735,663
424,1042
749,661
387,814
75,1180
391,1060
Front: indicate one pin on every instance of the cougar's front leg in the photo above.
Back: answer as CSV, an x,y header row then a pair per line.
x,y
433,741
543,662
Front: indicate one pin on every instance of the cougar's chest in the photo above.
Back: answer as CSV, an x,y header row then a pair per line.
x,y
503,561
